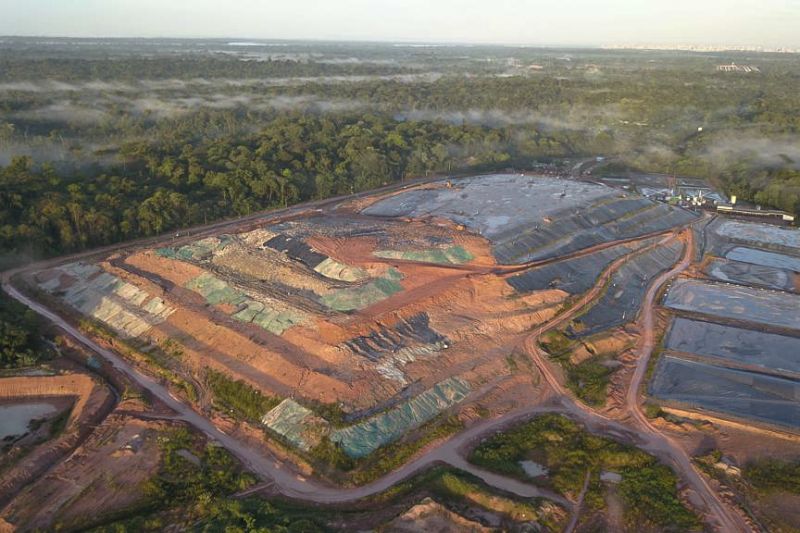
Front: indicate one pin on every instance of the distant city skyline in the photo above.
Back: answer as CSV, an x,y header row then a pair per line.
x,y
769,24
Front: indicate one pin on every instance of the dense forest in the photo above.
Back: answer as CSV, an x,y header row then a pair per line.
x,y
106,142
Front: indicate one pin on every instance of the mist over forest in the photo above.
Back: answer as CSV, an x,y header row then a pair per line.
x,y
104,140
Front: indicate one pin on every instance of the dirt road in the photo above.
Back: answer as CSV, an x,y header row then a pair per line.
x,y
728,519
662,446
281,476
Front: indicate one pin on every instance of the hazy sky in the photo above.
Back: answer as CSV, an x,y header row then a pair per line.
x,y
582,22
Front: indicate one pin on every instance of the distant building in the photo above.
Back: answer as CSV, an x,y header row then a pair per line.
x,y
733,67
757,212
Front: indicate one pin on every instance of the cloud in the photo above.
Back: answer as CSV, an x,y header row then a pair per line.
x,y
54,86
577,118
65,112
767,152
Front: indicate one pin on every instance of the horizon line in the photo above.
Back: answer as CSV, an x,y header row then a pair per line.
x,y
678,47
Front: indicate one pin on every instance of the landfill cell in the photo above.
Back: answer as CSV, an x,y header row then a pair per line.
x,y
746,346
492,205
739,393
750,274
762,235
760,306
764,258
595,226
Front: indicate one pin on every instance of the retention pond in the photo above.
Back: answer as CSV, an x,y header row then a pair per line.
x,y
15,418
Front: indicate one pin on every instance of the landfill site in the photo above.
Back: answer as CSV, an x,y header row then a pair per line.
x,y
369,323
733,347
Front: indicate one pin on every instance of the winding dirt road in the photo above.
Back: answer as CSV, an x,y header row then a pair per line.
x,y
283,478
662,446
728,519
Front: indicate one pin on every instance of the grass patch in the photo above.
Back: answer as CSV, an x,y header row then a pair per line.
x,y
771,475
239,398
652,411
331,455
455,485
589,379
389,457
556,343
332,412
648,489
511,363
59,423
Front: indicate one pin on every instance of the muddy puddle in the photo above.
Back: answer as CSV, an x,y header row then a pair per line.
x,y
15,418
533,469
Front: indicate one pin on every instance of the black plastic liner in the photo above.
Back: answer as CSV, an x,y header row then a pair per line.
x,y
623,297
748,274
407,332
574,276
745,346
296,249
742,394
621,219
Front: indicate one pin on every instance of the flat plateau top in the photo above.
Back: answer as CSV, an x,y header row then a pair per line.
x,y
492,204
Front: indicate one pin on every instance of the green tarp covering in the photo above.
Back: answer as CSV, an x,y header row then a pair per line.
x,y
365,295
454,255
216,291
366,437
295,423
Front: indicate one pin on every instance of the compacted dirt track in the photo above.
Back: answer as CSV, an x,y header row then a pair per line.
x,y
278,475
724,518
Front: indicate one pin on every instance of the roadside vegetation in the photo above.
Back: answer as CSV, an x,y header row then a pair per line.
x,y
196,493
239,398
161,360
773,475
194,476
21,343
461,491
763,488
387,458
590,378
648,488
247,404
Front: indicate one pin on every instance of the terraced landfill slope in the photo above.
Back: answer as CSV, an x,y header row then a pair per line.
x,y
389,311
574,276
623,296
